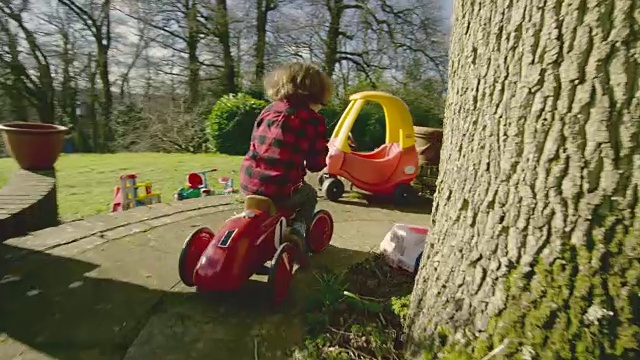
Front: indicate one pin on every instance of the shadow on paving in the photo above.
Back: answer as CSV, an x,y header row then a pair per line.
x,y
419,206
58,309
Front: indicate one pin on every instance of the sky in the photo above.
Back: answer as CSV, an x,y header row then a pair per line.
x,y
445,7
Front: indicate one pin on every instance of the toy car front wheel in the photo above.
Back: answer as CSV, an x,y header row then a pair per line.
x,y
192,250
333,189
320,231
281,272
403,194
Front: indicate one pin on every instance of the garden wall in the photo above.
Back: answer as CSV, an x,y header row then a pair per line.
x,y
28,203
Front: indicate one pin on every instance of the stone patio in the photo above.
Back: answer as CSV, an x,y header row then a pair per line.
x,y
107,287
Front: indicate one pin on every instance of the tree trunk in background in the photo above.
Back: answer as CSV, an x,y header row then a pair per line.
x,y
16,88
68,92
193,42
263,8
537,222
100,29
35,83
18,106
335,9
103,42
106,98
93,100
222,32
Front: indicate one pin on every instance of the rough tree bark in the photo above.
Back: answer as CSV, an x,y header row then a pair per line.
x,y
535,248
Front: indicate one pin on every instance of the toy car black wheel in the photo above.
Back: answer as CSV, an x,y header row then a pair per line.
x,y
417,263
192,250
322,177
333,189
320,231
403,194
281,272
178,196
206,192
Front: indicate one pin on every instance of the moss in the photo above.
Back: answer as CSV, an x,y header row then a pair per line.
x,y
400,306
583,305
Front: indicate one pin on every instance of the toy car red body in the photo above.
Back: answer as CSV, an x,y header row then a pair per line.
x,y
226,260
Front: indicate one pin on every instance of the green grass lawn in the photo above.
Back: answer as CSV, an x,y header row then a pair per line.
x,y
86,181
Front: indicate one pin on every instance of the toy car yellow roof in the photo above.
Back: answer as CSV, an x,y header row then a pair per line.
x,y
399,123
375,96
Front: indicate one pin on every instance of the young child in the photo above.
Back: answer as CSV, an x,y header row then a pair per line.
x,y
289,138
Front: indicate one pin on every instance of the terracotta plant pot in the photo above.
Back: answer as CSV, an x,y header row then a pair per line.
x,y
34,146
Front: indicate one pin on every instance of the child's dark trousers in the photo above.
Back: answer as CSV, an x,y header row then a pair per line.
x,y
304,198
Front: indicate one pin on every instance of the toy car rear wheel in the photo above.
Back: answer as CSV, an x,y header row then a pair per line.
x,y
322,177
320,231
281,272
192,250
403,194
333,189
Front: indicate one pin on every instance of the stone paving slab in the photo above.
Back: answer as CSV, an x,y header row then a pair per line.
x,y
116,294
112,224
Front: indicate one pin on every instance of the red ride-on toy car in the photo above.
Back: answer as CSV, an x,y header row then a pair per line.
x,y
225,260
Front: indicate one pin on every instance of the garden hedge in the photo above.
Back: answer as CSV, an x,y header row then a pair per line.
x,y
231,123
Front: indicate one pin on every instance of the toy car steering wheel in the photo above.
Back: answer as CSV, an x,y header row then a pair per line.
x,y
351,142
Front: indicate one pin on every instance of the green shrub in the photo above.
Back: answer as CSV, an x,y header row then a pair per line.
x,y
370,129
127,122
256,91
231,122
332,114
426,104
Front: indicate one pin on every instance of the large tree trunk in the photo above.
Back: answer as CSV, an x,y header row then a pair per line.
x,y
537,221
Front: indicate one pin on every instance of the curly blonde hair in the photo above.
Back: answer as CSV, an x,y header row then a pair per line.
x,y
299,79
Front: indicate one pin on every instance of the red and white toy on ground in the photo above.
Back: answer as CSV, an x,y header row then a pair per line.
x,y
245,243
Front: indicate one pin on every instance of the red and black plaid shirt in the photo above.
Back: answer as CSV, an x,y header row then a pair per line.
x,y
285,136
